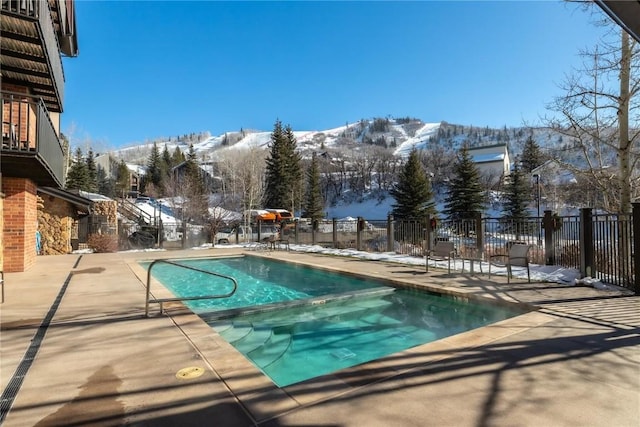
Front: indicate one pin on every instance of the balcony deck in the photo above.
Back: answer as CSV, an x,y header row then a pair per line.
x,y
30,50
31,147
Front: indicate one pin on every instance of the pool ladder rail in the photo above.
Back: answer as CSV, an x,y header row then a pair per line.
x,y
161,301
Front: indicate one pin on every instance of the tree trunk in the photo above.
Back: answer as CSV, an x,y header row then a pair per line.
x,y
624,169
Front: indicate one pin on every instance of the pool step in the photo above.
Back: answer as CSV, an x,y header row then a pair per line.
x,y
265,341
221,325
362,308
237,332
272,351
253,340
323,311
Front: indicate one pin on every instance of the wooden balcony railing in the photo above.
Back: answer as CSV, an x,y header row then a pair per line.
x,y
27,131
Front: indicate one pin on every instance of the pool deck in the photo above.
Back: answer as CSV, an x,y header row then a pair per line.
x,y
78,351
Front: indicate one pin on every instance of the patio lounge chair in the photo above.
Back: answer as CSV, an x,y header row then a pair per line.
x,y
443,250
517,256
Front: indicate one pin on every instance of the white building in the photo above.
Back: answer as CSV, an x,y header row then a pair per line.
x,y
492,160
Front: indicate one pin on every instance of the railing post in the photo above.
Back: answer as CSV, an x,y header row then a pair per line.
x,y
359,228
259,225
427,239
587,268
636,247
549,229
314,228
296,229
479,236
431,219
390,233
334,232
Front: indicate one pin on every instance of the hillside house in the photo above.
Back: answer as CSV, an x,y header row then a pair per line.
x,y
35,33
492,161
206,171
109,164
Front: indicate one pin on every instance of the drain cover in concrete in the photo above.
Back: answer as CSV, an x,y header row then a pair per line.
x,y
189,373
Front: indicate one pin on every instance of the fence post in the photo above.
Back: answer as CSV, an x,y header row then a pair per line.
x,y
359,228
549,229
314,227
431,233
296,229
390,233
586,243
479,235
636,247
334,230
184,234
259,225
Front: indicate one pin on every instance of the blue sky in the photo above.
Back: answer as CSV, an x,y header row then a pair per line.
x,y
148,69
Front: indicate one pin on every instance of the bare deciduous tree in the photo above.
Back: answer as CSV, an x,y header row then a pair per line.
x,y
242,172
600,113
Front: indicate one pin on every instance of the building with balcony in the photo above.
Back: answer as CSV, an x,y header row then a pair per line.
x,y
34,35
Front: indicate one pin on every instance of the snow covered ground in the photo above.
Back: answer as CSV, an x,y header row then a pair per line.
x,y
378,210
539,273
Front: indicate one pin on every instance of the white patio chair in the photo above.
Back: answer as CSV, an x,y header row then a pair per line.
x,y
517,256
442,251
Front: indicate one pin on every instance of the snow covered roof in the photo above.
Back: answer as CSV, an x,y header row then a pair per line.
x,y
488,157
95,197
78,200
140,170
225,215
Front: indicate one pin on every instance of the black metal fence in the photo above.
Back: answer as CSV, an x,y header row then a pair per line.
x,y
601,246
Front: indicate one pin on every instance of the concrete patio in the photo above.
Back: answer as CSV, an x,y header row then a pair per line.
x,y
78,351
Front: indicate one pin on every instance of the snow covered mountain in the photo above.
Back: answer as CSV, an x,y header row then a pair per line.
x,y
398,136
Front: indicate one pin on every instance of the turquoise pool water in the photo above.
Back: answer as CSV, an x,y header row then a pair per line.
x,y
262,281
339,321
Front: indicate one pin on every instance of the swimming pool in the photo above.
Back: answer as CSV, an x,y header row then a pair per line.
x,y
305,322
263,282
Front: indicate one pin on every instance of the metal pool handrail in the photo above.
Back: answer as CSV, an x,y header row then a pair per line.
x,y
163,300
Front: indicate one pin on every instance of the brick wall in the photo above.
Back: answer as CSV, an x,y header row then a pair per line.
x,y
20,215
1,231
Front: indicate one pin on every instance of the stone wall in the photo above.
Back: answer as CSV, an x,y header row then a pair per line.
x,y
109,210
55,221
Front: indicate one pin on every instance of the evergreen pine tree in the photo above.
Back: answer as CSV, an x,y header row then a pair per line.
x,y
465,195
166,163
294,170
106,184
283,174
517,195
531,155
78,173
314,205
154,168
275,172
193,173
197,202
412,193
177,157
123,179
92,173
